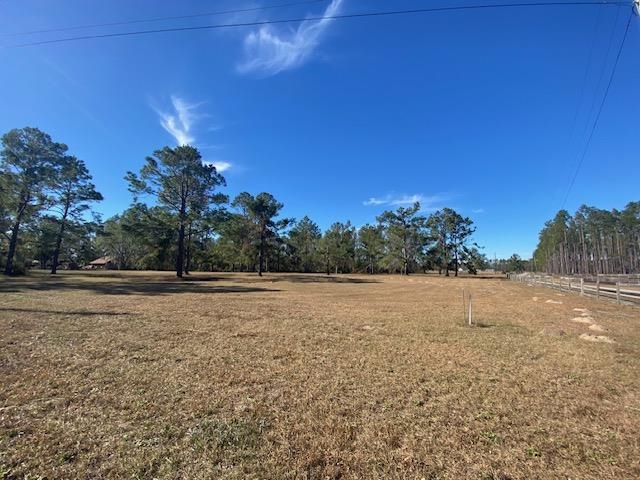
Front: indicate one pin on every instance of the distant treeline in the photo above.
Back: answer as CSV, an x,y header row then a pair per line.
x,y
179,220
591,242
402,241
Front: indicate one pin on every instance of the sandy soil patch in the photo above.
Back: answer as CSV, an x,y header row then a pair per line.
x,y
596,338
586,320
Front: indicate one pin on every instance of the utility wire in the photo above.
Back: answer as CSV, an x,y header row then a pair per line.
x,y
585,76
328,17
574,123
595,123
162,19
602,70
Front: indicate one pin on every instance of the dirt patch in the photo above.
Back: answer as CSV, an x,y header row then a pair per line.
x,y
596,338
586,320
554,302
597,328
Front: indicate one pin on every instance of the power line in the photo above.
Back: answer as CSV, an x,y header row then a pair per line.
x,y
162,19
595,123
585,76
574,123
328,17
602,70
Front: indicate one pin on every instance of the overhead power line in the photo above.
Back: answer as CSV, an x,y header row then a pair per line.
x,y
585,77
601,77
162,19
595,123
327,17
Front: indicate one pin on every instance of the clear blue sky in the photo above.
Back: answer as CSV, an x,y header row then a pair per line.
x,y
482,111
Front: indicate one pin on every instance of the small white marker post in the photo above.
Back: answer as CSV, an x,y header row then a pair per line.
x,y
464,305
470,317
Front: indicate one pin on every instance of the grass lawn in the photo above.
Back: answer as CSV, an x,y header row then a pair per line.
x,y
140,375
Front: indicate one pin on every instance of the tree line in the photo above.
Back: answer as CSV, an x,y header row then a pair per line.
x,y
180,220
591,242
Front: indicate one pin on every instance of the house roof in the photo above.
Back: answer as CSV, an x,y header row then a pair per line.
x,y
101,261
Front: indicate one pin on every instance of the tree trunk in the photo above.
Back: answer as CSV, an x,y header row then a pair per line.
x,y
180,257
455,261
446,266
187,261
56,252
445,256
261,255
13,243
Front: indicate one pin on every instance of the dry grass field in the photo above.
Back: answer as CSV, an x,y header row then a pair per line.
x,y
139,375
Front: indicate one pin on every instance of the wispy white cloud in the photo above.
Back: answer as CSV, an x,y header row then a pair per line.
x,y
426,202
373,201
269,51
220,165
180,122
478,210
408,199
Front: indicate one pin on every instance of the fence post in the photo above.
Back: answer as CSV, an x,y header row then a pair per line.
x,y
581,287
618,292
598,288
470,318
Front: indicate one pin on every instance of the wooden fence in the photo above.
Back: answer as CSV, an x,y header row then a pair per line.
x,y
620,289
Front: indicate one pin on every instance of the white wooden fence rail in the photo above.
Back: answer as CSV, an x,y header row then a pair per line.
x,y
596,286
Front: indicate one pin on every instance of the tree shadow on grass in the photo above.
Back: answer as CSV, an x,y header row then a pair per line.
x,y
126,275
305,278
83,313
484,277
132,286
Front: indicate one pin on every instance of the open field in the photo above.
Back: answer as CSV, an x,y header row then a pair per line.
x,y
139,375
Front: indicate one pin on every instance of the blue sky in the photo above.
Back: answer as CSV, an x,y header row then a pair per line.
x,y
485,111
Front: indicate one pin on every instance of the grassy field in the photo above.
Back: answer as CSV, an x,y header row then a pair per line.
x,y
139,375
